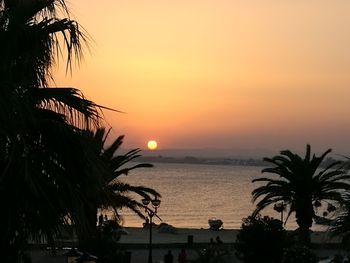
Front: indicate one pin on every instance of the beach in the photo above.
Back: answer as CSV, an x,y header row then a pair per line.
x,y
141,236
200,236
137,239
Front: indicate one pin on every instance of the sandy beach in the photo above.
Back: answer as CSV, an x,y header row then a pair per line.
x,y
181,235
141,236
136,241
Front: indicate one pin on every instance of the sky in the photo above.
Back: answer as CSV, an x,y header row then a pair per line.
x,y
219,74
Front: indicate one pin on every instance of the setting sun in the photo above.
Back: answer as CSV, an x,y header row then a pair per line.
x,y
152,145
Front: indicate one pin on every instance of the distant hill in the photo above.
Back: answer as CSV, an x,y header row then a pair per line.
x,y
212,157
212,153
207,161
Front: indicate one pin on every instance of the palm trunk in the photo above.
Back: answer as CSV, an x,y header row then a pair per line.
x,y
88,235
304,216
304,235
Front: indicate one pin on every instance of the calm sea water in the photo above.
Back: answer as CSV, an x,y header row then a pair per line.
x,y
191,194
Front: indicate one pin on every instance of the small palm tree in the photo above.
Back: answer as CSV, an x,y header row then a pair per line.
x,y
301,186
119,192
115,193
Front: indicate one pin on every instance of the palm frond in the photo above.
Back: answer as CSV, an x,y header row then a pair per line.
x,y
69,102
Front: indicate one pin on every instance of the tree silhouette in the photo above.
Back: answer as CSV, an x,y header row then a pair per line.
x,y
45,155
301,186
116,194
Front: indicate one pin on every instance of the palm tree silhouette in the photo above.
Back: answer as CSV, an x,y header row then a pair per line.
x,y
301,186
115,193
116,164
45,155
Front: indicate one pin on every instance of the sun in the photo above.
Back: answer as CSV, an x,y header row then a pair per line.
x,y
152,145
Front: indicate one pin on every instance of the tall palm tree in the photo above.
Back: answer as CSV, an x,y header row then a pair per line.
x,y
302,185
45,157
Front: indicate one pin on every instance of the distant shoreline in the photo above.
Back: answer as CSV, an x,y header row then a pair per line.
x,y
203,161
254,162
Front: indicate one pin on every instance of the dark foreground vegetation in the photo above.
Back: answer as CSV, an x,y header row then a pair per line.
x,y
55,168
263,239
298,186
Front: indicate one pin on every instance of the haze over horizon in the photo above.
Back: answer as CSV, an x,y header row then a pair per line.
x,y
224,74
235,153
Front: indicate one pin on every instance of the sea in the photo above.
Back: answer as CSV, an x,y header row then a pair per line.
x,y
194,193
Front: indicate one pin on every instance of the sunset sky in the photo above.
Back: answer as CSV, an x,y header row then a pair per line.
x,y
224,74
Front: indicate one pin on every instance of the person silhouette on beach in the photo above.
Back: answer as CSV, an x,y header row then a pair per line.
x,y
218,240
219,246
168,258
211,249
100,220
212,241
182,256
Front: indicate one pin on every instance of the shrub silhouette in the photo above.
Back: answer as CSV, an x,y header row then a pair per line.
x,y
261,239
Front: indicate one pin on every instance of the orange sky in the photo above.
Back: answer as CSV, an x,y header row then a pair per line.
x,y
227,74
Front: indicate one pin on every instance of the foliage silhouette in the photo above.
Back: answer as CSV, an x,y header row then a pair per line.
x,y
116,193
261,239
340,226
301,186
45,156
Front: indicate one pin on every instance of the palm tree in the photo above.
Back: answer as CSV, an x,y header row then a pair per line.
x,y
116,193
301,185
45,155
119,192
